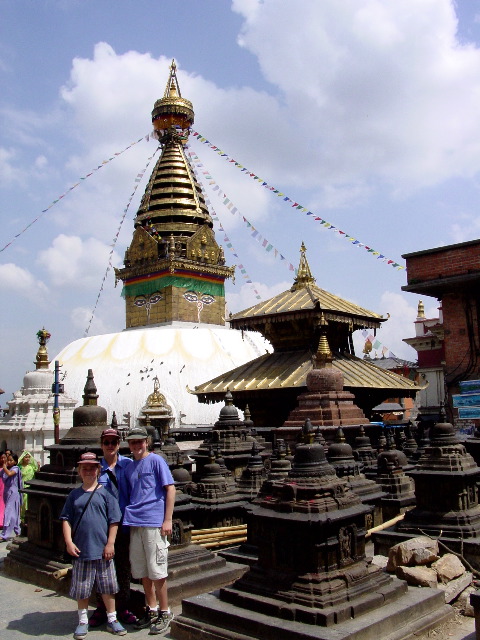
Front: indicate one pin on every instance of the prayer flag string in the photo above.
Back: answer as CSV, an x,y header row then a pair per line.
x,y
138,179
296,205
74,186
376,344
254,233
226,239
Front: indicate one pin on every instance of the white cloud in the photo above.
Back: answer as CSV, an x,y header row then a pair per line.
x,y
467,229
399,325
41,162
81,317
382,89
19,281
73,261
9,174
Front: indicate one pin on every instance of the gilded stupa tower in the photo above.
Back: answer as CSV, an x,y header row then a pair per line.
x,y
174,270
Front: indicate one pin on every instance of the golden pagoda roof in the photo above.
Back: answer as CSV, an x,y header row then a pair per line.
x,y
302,299
305,300
289,369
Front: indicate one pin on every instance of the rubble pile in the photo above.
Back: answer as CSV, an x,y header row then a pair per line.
x,y
418,561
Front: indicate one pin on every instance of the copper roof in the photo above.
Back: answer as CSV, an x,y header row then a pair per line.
x,y
282,370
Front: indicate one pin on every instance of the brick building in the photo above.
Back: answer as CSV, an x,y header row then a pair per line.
x,y
452,275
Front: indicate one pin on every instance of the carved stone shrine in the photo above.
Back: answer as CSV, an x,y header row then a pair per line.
x,y
312,578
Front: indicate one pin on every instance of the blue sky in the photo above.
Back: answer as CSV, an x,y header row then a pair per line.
x,y
366,112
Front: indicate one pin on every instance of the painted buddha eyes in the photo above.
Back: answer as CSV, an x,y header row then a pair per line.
x,y
146,301
191,296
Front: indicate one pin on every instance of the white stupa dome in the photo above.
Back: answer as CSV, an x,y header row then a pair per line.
x,y
180,354
39,381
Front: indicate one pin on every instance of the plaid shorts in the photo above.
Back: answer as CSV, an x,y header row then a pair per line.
x,y
89,573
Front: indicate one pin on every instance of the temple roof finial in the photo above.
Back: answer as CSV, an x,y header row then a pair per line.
x,y
304,275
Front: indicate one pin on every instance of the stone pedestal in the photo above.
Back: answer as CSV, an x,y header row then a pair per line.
x,y
325,403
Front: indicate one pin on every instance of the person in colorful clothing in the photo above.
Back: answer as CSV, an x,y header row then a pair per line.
x,y
3,458
112,476
28,468
12,481
90,522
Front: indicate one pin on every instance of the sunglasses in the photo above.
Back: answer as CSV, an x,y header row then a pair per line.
x,y
110,442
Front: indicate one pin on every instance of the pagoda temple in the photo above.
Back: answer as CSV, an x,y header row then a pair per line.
x,y
173,279
293,322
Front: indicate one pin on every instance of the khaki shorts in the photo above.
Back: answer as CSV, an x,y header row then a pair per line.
x,y
148,553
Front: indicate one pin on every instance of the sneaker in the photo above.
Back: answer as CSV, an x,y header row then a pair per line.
x,y
162,623
116,628
98,617
81,631
149,617
127,617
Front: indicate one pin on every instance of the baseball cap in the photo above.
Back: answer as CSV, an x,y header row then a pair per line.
x,y
137,433
88,458
109,433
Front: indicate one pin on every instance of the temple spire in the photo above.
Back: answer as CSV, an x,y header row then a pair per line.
x,y
304,275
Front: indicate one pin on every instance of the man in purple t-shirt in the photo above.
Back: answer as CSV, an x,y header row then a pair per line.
x,y
149,516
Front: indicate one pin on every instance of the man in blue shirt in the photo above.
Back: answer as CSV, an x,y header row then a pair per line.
x,y
149,516
112,477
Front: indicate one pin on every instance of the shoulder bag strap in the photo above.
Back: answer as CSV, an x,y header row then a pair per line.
x,y
84,509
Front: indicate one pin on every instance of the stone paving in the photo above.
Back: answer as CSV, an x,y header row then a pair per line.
x,y
27,611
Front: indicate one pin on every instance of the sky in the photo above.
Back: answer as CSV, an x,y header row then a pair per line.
x,y
363,113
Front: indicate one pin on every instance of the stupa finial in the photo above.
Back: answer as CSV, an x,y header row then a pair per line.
x,y
172,115
41,360
323,357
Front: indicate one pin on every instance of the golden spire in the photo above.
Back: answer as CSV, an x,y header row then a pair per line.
x,y
172,88
304,275
174,268
420,310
